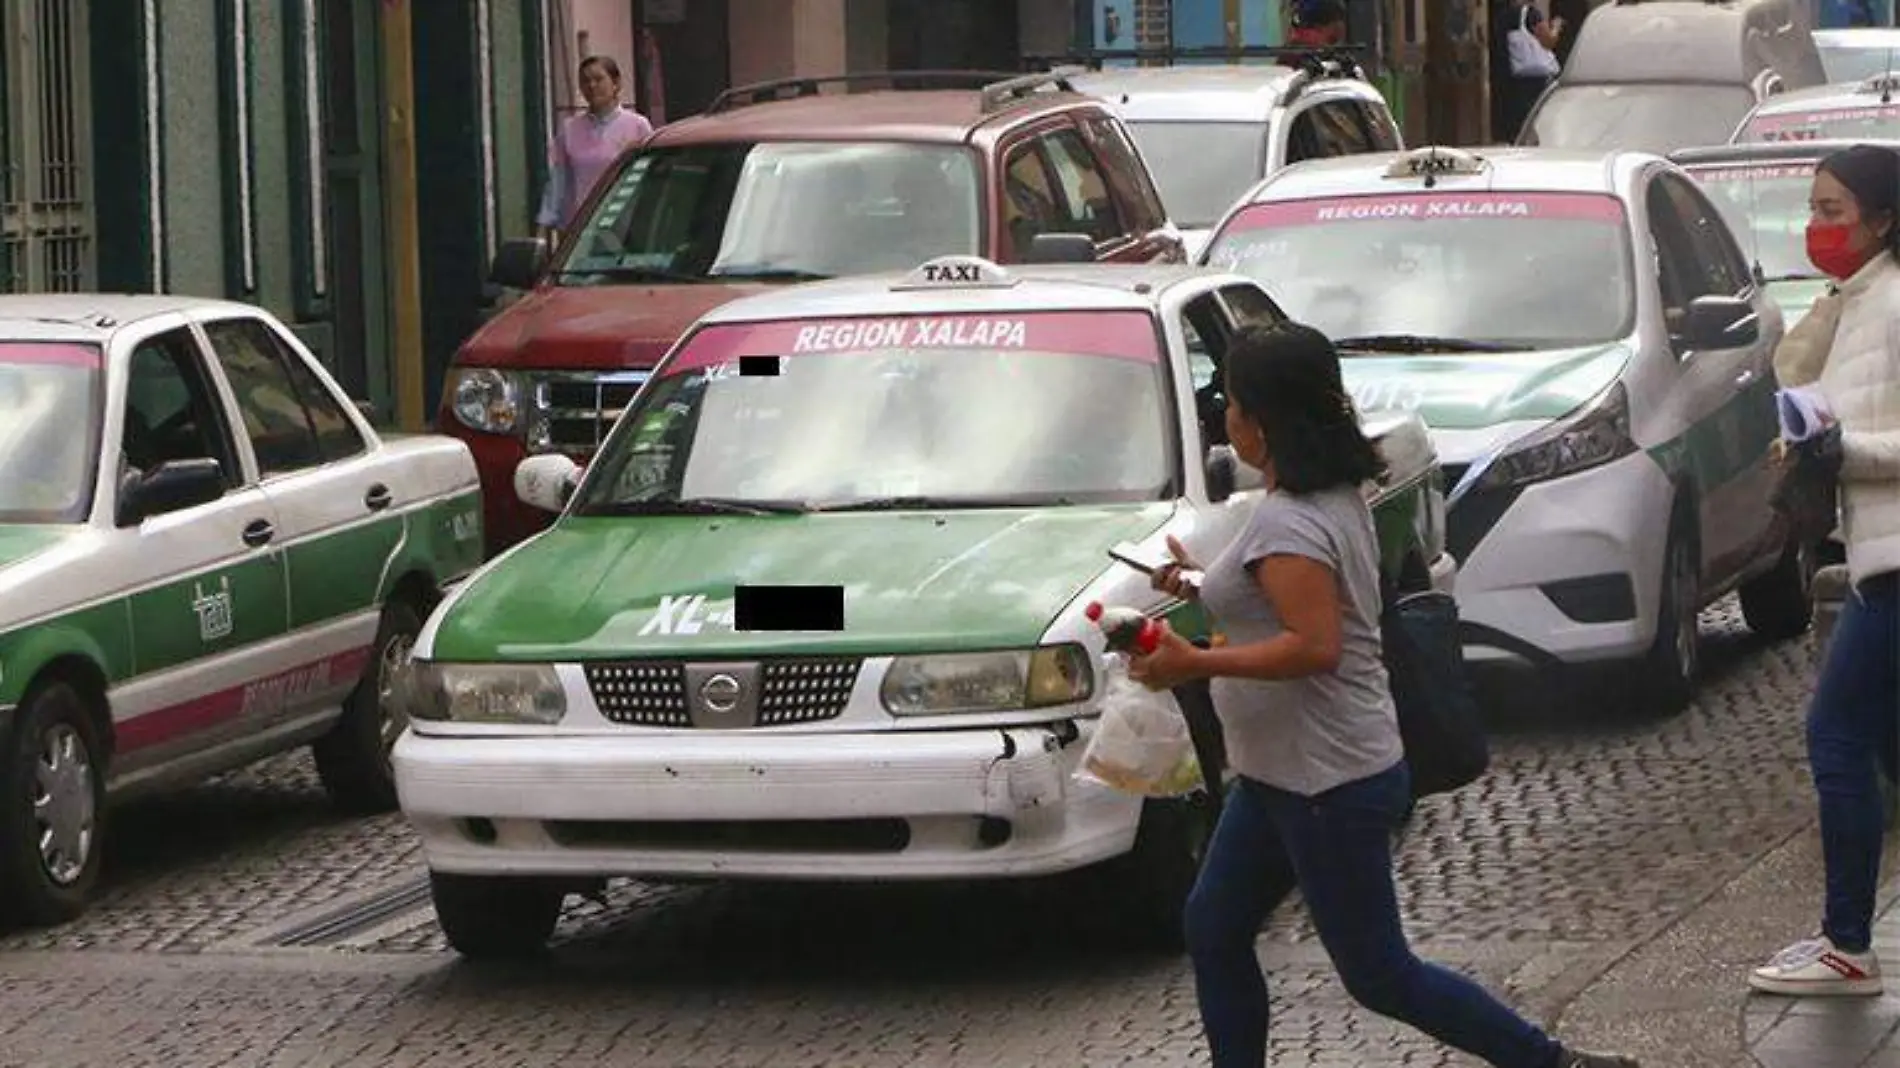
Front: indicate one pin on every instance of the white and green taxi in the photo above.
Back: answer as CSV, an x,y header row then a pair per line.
x,y
207,556
1592,353
817,608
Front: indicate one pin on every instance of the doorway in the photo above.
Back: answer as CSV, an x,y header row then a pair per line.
x,y
351,84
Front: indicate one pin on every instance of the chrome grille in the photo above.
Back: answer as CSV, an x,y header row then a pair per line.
x,y
574,410
793,690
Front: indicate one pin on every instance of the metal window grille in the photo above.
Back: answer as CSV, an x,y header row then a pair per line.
x,y
46,221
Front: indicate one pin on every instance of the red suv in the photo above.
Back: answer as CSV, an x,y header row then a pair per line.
x,y
781,183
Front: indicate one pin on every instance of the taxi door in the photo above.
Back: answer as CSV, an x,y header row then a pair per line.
x,y
1724,406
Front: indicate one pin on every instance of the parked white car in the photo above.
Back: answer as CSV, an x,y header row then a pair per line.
x,y
207,556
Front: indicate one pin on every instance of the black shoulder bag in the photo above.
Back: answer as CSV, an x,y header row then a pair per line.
x,y
1445,744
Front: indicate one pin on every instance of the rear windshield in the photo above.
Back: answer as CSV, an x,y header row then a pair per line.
x,y
1201,168
779,211
1645,118
1876,122
1856,62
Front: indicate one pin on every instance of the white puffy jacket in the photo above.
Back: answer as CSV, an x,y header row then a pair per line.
x,y
1850,346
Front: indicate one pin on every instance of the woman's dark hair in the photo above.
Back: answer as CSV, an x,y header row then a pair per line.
x,y
605,63
1872,175
1285,376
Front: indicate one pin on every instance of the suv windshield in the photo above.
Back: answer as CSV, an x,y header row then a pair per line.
x,y
1856,62
49,430
1766,205
1201,168
1508,270
1656,118
778,211
1876,121
1017,408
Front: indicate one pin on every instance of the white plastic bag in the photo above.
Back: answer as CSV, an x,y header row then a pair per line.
x,y
1141,744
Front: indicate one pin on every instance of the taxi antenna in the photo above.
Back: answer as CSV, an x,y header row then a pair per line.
x,y
1431,167
1886,80
1754,236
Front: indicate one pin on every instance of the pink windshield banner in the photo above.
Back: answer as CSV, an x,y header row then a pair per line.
x,y
1114,335
1766,171
1824,117
1589,206
49,353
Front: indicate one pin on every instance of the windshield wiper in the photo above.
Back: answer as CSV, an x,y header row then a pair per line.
x,y
1416,343
905,504
769,274
634,274
695,506
1792,276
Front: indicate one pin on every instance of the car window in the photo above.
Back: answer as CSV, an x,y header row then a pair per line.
x,y
293,423
50,411
1336,122
1382,132
1128,173
1029,199
1681,279
1090,208
1303,138
1724,270
1645,117
1202,167
172,412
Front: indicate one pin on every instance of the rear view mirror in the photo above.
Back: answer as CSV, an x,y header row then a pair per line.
x,y
1716,322
170,487
1060,248
519,263
546,482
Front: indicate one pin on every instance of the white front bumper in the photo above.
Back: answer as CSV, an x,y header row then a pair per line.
x,y
567,804
1609,520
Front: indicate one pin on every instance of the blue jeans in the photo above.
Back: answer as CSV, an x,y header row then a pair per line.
x,y
1853,721
1341,847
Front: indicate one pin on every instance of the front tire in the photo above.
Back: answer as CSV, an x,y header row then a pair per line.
x,y
52,808
1156,876
1674,663
1779,604
495,917
353,759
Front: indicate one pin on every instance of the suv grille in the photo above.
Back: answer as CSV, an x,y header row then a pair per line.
x,y
574,410
653,693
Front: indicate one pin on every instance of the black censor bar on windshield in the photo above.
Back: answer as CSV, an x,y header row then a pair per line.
x,y
788,608
758,366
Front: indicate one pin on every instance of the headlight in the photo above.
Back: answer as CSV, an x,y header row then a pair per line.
x,y
486,399
1594,436
482,693
1003,681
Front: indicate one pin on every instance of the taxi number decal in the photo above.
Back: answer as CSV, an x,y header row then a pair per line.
x,y
1387,397
688,614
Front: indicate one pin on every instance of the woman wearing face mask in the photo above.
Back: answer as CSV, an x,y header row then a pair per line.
x,y
1309,724
1849,347
588,144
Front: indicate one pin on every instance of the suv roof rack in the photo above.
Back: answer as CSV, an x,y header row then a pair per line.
x,y
1344,58
999,88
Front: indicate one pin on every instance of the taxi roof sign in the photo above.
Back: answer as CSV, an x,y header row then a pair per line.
x,y
957,272
1433,160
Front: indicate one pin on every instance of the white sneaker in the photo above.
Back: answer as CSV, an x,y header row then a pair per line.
x,y
1815,968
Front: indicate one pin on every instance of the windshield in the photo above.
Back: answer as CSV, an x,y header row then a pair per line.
x,y
1856,62
778,211
1766,205
1201,168
1515,270
1046,407
49,431
1874,122
1644,118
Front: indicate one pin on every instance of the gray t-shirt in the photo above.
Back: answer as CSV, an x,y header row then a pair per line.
x,y
1312,734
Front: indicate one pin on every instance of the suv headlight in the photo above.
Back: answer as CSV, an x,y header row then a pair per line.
x,y
486,399
1003,681
482,693
1590,437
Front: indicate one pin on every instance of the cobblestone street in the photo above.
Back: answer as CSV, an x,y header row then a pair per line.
x,y
245,924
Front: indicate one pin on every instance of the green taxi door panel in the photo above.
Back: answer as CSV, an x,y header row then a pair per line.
x,y
207,581
1725,395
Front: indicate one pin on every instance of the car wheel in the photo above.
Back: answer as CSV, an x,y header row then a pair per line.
x,y
1156,876
495,917
1780,604
353,759
1674,663
52,808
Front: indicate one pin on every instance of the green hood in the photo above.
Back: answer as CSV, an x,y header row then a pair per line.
x,y
17,543
1468,391
1795,296
589,588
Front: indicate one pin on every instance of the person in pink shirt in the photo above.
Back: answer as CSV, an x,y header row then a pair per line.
x,y
588,143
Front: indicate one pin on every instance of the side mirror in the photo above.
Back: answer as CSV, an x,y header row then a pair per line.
x,y
519,263
546,482
1060,248
170,487
1716,322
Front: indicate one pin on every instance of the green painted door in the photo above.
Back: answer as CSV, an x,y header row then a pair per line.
x,y
352,165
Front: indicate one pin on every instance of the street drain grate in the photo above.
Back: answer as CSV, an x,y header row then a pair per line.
x,y
341,923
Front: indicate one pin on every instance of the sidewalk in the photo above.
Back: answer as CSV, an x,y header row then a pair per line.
x,y
1831,1032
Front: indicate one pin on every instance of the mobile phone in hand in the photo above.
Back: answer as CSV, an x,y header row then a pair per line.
x,y
1141,560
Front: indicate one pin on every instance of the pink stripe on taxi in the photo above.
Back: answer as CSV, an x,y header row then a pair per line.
x,y
54,353
1762,171
1825,116
1115,335
1423,206
260,697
